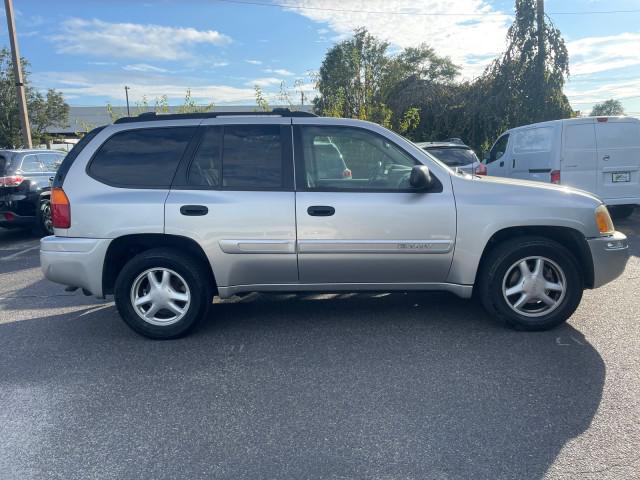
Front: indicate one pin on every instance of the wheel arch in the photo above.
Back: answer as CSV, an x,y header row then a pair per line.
x,y
572,239
124,248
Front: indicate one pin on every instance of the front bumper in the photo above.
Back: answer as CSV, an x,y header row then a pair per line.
x,y
610,255
77,262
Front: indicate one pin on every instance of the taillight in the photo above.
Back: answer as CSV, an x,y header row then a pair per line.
x,y
555,177
481,169
11,181
60,209
346,173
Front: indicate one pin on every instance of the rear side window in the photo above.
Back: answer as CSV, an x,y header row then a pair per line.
x,y
238,157
31,164
533,140
50,161
252,156
4,163
145,158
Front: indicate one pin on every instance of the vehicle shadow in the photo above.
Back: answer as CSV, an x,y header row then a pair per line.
x,y
631,228
400,385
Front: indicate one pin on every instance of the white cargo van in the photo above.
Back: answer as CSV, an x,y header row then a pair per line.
x,y
597,154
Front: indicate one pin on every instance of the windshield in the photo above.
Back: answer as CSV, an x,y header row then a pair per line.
x,y
454,157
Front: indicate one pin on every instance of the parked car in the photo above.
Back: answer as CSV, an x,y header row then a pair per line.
x,y
456,155
597,154
164,211
25,184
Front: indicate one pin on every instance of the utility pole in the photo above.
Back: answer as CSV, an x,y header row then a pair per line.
x,y
541,54
126,93
17,73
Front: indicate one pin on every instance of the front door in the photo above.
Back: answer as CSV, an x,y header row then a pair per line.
x,y
497,162
369,227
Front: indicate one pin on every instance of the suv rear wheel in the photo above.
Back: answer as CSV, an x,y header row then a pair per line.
x,y
531,283
163,294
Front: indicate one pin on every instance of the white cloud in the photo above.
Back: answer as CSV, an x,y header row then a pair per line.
x,y
461,37
583,94
598,54
130,40
279,71
264,82
143,67
254,62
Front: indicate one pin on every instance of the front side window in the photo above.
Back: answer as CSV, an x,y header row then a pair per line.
x,y
31,164
145,158
346,158
498,148
453,156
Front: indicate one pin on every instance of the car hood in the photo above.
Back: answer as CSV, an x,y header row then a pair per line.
x,y
539,186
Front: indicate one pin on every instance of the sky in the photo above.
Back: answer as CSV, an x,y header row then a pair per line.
x,y
221,49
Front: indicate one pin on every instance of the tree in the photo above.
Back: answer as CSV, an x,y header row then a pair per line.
x,y
44,110
513,88
608,107
358,74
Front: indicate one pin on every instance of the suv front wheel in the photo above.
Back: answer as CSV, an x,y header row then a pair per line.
x,y
531,283
162,294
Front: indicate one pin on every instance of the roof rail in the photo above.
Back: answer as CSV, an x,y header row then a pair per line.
x,y
152,116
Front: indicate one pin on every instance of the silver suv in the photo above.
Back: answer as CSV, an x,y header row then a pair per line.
x,y
167,211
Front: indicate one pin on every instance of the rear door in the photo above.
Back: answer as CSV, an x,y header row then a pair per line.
x,y
372,227
234,196
579,163
618,144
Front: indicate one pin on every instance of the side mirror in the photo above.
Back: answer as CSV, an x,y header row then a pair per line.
x,y
420,177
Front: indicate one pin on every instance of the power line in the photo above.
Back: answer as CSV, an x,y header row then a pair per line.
x,y
425,14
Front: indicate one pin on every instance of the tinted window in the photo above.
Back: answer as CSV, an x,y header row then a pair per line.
x,y
533,140
498,148
31,164
206,167
618,134
252,156
4,162
141,158
373,161
578,137
50,161
454,157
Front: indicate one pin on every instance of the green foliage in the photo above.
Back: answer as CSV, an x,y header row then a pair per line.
x,y
261,102
608,107
44,110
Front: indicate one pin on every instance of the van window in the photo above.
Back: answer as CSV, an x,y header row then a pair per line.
x,y
498,148
252,157
579,137
533,140
145,158
618,134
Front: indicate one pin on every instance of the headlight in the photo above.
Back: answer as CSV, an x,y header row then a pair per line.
x,y
603,220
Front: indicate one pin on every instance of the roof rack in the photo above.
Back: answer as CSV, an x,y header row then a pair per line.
x,y
152,116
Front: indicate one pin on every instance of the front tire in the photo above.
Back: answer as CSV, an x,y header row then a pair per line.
x,y
163,294
531,283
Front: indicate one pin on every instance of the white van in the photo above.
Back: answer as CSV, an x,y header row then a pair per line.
x,y
597,154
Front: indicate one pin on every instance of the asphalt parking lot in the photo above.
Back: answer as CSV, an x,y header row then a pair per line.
x,y
386,386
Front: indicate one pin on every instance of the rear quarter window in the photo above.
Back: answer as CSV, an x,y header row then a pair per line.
x,y
145,158
454,157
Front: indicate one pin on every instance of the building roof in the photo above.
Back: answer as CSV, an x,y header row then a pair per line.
x,y
83,119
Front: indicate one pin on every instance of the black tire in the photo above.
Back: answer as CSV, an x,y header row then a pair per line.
x,y
504,256
194,274
44,223
620,212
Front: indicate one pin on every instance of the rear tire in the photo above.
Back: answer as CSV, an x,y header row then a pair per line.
x,y
44,222
620,212
163,294
531,283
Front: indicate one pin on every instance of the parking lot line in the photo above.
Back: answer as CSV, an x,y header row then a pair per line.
x,y
17,254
